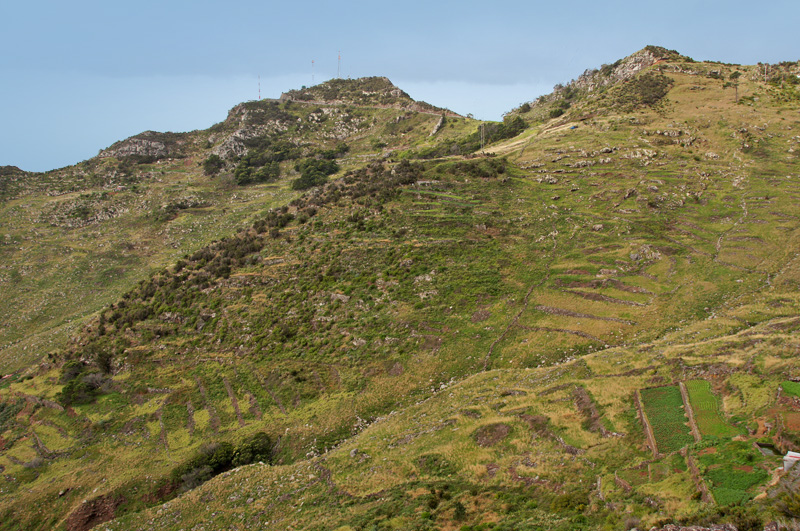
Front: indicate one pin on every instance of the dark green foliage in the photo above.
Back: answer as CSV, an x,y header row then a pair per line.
x,y
313,172
338,151
662,53
213,164
459,511
480,168
216,458
246,174
258,448
644,90
83,384
260,164
576,501
9,410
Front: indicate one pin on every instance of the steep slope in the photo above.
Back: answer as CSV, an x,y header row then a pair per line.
x,y
73,240
460,342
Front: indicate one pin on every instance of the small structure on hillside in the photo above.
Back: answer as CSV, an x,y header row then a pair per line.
x,y
790,459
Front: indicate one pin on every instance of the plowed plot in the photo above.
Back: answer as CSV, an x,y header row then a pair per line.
x,y
664,409
707,414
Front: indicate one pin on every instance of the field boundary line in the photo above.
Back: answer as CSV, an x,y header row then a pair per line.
x,y
687,406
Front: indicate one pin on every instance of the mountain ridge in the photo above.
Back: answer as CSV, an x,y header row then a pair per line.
x,y
449,341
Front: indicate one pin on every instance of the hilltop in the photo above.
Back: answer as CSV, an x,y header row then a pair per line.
x,y
369,322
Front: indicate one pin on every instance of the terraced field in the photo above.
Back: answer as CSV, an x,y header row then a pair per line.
x,y
707,414
664,409
432,343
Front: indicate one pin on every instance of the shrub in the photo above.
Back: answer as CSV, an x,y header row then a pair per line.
x,y
313,172
213,164
644,90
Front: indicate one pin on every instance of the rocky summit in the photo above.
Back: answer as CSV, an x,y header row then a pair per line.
x,y
348,310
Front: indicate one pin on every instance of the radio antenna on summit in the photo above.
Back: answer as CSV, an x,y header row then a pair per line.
x,y
259,87
312,72
339,66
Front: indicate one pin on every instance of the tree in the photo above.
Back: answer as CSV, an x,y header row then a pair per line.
x,y
213,164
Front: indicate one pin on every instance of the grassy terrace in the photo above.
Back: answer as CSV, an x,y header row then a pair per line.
x,y
707,414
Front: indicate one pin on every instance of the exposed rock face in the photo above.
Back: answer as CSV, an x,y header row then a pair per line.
x,y
137,146
150,145
626,69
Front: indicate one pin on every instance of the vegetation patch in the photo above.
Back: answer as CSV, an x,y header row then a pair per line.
x,y
707,414
791,388
664,409
733,472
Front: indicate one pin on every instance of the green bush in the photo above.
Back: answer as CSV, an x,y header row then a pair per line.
x,y
213,164
313,172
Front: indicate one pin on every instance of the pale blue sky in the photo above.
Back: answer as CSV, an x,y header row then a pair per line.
x,y
77,76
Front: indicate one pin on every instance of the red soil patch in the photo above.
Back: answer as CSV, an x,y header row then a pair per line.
x,y
792,421
707,451
93,512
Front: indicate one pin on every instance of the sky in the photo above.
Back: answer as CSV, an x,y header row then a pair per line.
x,y
77,76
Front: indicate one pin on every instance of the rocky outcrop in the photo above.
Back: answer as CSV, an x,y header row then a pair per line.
x,y
622,70
148,145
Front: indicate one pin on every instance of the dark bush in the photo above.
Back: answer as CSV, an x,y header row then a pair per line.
x,y
313,172
213,164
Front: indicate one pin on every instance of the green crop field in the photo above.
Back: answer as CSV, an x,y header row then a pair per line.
x,y
664,409
732,471
707,412
791,388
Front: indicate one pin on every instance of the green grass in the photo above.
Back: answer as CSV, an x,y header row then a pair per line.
x,y
664,409
707,414
791,388
392,321
733,471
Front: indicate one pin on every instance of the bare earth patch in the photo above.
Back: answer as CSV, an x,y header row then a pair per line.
x,y
491,434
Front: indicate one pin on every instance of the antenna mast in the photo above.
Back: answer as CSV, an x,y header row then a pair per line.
x,y
259,86
312,72
339,66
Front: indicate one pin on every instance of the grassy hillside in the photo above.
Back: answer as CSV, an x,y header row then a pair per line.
x,y
516,340
74,240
